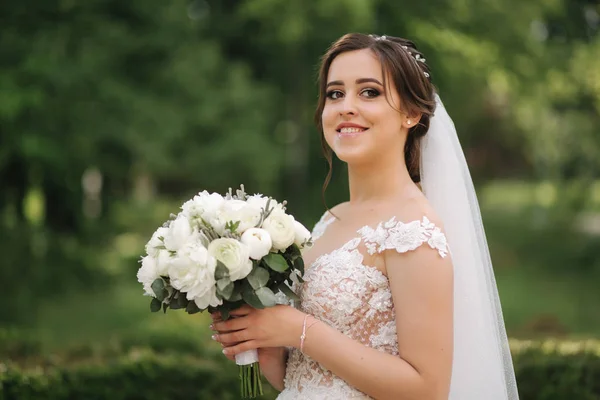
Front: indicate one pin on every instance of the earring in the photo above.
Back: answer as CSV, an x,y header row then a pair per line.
x,y
408,121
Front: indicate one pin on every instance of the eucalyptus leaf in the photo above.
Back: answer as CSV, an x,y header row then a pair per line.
x,y
258,278
251,298
182,301
266,296
276,262
221,271
158,287
225,314
155,305
192,308
288,291
299,264
236,295
225,288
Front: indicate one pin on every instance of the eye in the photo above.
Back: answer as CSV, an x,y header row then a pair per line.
x,y
334,94
370,93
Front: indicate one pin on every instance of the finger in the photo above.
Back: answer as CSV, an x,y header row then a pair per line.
x,y
231,337
234,324
243,310
228,356
240,348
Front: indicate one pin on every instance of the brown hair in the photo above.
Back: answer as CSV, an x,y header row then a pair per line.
x,y
410,75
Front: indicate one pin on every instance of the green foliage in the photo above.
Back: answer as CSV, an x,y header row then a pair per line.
x,y
548,370
557,370
141,374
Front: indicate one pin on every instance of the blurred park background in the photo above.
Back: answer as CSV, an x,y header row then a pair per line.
x,y
112,113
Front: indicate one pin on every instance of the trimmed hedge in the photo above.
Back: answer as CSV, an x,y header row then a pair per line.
x,y
141,374
557,370
548,370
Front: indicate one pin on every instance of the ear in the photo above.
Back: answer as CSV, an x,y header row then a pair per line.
x,y
411,121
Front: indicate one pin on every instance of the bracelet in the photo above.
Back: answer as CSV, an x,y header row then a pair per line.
x,y
304,329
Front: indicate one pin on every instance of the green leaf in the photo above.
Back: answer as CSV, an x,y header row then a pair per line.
x,y
266,296
158,287
155,305
258,277
236,295
192,308
182,301
293,251
225,314
232,226
225,288
288,291
221,271
276,262
251,298
299,264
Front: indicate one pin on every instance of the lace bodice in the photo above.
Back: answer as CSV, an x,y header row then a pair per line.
x,y
340,290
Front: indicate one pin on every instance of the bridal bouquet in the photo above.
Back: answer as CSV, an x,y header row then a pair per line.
x,y
221,252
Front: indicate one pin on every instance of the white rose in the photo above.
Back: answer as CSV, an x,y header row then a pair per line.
x,y
258,241
236,211
192,271
178,233
234,255
203,205
302,234
281,229
147,274
155,242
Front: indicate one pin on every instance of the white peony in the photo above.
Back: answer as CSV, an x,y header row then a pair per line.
x,y
234,255
163,262
258,241
192,271
302,234
234,211
147,274
178,233
259,201
281,229
152,247
204,205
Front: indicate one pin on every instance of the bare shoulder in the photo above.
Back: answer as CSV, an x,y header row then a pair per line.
x,y
414,208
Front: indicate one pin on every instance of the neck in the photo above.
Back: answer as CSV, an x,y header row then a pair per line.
x,y
378,181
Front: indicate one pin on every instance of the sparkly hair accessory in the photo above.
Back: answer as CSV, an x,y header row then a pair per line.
x,y
416,57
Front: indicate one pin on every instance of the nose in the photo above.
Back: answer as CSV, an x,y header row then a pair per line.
x,y
348,106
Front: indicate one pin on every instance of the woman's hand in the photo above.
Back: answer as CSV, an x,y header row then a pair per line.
x,y
272,327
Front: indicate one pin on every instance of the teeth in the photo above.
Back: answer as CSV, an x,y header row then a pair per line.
x,y
351,130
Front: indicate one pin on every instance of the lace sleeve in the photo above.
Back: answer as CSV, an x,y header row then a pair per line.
x,y
404,237
321,225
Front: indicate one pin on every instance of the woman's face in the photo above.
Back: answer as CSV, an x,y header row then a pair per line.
x,y
359,123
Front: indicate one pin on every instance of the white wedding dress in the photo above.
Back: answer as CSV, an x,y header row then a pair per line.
x,y
354,298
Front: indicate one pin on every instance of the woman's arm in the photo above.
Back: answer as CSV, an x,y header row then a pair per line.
x,y
421,282
422,289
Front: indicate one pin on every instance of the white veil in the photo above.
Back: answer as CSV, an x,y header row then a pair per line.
x,y
482,366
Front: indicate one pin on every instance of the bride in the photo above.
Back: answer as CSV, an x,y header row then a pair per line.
x,y
399,299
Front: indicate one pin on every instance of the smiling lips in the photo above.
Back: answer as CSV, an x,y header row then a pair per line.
x,y
347,129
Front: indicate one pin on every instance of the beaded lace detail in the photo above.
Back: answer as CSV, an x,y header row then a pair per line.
x,y
354,298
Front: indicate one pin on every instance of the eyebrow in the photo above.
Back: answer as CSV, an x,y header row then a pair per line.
x,y
358,81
